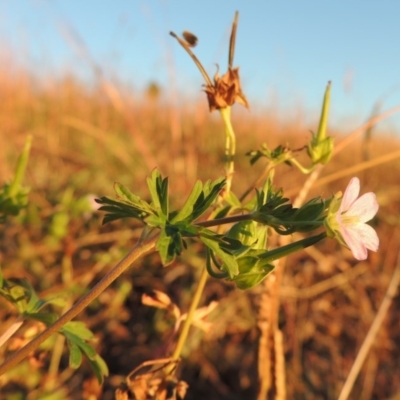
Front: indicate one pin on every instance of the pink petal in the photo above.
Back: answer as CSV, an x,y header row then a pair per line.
x,y
364,207
350,194
367,235
354,242
359,238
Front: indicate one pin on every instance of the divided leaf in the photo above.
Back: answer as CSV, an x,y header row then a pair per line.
x,y
158,188
187,209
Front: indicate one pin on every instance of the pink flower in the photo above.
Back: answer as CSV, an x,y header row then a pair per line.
x,y
347,221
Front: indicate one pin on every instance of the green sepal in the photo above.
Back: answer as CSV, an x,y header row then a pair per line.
x,y
252,271
255,265
244,231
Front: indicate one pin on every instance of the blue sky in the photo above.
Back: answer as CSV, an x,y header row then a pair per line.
x,y
287,50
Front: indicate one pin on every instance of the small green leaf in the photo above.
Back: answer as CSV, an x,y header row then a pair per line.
x,y
78,328
158,188
162,191
76,334
163,247
125,194
187,208
75,356
131,199
117,209
89,351
99,367
210,193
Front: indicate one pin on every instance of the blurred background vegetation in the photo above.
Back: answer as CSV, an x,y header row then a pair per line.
x,y
87,137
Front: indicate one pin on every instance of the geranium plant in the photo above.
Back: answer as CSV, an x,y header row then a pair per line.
x,y
233,229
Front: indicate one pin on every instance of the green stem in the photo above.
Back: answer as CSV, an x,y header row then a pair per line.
x,y
225,220
138,250
188,321
211,272
254,217
302,169
230,146
283,251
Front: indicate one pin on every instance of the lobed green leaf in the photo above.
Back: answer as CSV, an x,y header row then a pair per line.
x,y
75,355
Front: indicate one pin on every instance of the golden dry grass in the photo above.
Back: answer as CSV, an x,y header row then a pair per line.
x,y
83,141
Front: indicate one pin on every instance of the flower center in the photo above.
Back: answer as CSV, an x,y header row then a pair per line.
x,y
349,219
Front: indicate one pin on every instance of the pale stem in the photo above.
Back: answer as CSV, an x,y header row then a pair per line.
x,y
188,321
11,330
230,146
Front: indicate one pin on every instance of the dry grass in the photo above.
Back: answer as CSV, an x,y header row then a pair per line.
x,y
83,142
